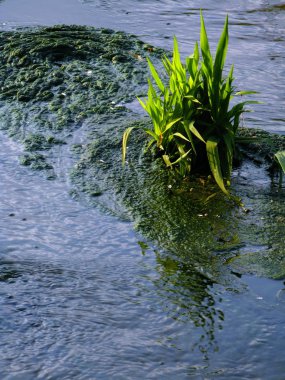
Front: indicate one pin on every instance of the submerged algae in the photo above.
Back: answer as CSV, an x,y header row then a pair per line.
x,y
57,81
35,142
262,147
52,79
176,216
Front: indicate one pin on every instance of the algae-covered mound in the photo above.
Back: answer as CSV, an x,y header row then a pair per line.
x,y
52,79
64,92
54,63
205,234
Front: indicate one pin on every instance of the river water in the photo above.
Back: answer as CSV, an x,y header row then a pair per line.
x,y
80,296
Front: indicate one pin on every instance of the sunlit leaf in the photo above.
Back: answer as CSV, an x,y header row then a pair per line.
x,y
214,162
205,48
280,157
155,75
166,160
229,153
195,132
124,143
181,136
184,155
152,134
246,92
169,125
142,104
221,53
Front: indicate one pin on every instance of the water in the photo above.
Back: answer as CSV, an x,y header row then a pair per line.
x,y
79,299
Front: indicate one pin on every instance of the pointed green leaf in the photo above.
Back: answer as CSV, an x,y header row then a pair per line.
x,y
214,162
176,58
218,70
184,155
176,54
246,92
152,134
189,134
152,141
169,125
226,95
124,143
195,132
192,98
205,48
167,65
142,104
221,53
166,160
178,134
155,75
280,157
151,91
229,152
196,54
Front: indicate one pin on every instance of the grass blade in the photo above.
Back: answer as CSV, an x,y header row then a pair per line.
x,y
124,143
181,136
195,132
170,124
246,92
220,58
166,160
177,65
184,155
214,162
205,48
155,75
280,158
221,53
229,153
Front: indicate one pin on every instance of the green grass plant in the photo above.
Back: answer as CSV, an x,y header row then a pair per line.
x,y
280,159
193,127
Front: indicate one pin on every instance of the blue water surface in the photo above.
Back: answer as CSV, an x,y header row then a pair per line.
x,y
80,297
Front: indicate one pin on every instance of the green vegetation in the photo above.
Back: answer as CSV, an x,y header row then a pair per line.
x,y
280,158
190,230
193,128
54,79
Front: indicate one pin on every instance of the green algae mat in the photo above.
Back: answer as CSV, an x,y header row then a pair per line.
x,y
65,95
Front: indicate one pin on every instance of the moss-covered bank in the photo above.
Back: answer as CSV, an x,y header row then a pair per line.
x,y
64,92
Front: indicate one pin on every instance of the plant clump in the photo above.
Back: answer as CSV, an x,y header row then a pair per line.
x,y
193,127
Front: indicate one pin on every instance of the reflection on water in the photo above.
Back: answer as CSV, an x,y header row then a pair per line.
x,y
186,296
